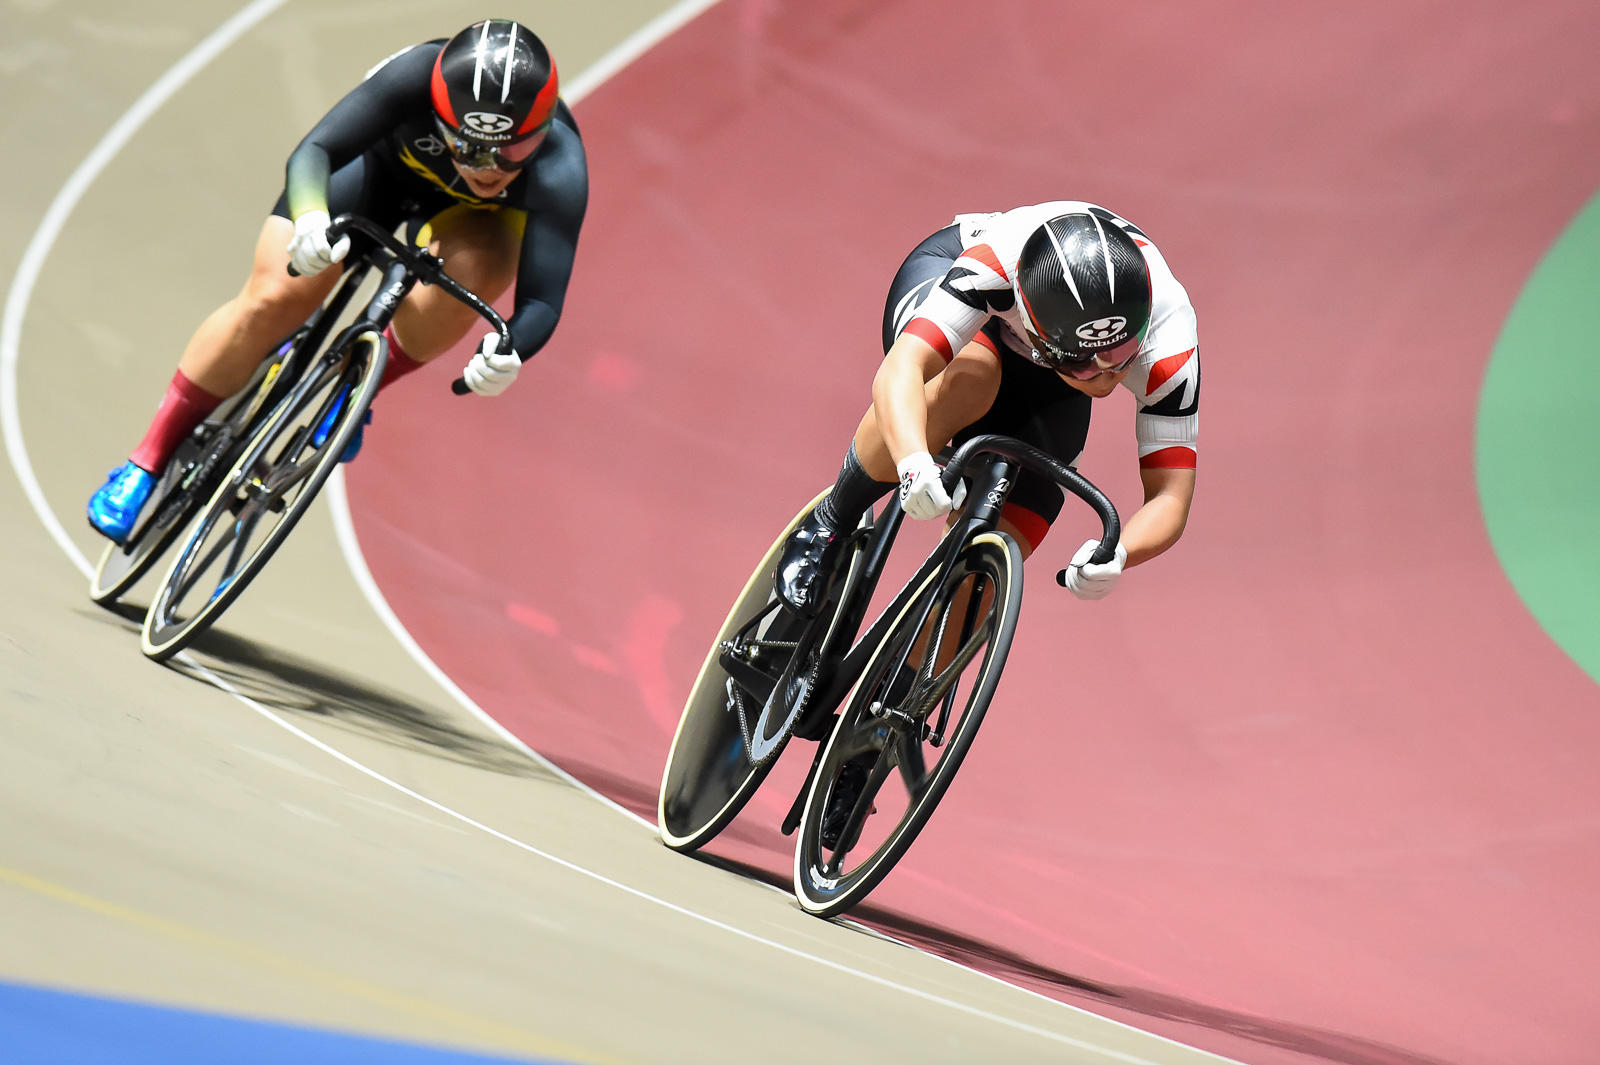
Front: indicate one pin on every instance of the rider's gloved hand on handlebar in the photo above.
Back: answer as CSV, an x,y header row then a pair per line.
x,y
309,251
922,493
491,372
1086,580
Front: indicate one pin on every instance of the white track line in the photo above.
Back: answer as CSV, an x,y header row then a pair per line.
x,y
344,531
16,305
50,226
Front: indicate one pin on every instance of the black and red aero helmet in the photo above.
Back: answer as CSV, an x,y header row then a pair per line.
x,y
1083,288
494,93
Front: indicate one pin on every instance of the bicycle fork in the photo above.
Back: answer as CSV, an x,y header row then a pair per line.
x,y
991,487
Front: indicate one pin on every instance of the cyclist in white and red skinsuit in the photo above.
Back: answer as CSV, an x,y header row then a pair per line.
x,y
1012,322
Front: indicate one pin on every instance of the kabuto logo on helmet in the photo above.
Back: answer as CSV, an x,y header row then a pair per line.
x,y
1102,331
500,64
486,123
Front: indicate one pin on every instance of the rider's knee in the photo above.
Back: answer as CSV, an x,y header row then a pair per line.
x,y
480,249
273,293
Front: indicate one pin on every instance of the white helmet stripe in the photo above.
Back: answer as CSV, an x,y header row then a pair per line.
x,y
1105,248
511,53
480,55
1066,268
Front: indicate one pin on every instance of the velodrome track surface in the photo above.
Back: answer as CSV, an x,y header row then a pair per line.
x,y
1312,787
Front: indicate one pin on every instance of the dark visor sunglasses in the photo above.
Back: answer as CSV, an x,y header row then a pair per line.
x,y
1081,369
476,155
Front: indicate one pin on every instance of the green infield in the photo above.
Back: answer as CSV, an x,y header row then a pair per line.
x,y
1540,496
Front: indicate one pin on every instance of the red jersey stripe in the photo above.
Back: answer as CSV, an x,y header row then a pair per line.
x,y
985,255
1163,371
1169,458
925,330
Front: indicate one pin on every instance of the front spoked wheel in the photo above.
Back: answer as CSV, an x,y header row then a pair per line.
x,y
263,495
908,724
760,669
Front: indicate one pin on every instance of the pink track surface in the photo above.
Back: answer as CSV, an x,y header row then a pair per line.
x,y
1319,787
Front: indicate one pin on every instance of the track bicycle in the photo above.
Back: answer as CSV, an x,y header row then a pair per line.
x,y
238,485
913,689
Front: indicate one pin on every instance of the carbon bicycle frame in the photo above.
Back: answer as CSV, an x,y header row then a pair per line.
x,y
991,487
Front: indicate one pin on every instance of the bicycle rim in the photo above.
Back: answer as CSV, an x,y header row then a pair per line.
x,y
907,763
709,775
259,501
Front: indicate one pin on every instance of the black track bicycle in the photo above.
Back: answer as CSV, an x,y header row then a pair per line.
x,y
894,711
236,487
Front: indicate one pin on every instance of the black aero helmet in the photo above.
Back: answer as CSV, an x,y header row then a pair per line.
x,y
494,94
1083,288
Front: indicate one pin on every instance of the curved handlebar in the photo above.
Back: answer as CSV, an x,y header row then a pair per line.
x,y
1032,458
429,269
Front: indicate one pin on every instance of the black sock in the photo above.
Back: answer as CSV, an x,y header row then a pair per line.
x,y
852,494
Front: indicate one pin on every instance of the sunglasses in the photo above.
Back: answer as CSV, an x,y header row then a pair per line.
x,y
1082,369
476,155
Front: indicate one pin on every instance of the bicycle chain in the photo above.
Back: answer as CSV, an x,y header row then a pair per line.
x,y
746,730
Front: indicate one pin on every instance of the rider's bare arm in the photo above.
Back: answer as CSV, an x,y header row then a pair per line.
x,y
1158,524
899,402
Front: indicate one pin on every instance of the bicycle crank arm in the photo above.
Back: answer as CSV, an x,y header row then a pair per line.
x,y
791,820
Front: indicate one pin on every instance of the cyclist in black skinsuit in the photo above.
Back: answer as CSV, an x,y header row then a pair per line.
x,y
468,133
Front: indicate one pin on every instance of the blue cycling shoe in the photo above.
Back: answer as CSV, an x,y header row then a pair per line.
x,y
114,509
325,427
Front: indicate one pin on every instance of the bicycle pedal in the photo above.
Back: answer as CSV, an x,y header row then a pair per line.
x,y
252,491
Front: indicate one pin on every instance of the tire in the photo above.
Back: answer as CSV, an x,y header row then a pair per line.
x,y
188,480
273,482
710,772
902,773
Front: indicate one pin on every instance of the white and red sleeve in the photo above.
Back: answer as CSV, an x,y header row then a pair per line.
x,y
1167,425
973,288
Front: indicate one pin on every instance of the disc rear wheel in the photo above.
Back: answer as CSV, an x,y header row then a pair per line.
x,y
760,670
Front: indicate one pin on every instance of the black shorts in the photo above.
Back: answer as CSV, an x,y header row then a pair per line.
x,y
1034,404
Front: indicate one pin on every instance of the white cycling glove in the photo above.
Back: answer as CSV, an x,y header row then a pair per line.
x,y
489,373
922,493
1087,580
309,252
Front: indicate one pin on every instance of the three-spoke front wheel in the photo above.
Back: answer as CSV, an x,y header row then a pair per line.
x,y
263,495
908,724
